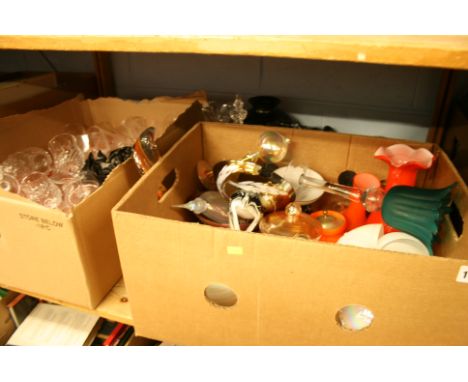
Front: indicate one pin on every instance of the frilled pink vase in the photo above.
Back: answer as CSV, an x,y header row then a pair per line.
x,y
404,162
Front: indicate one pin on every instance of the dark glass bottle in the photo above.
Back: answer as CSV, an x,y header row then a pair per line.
x,y
265,111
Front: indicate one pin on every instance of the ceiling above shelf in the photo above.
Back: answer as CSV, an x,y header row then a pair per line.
x,y
433,51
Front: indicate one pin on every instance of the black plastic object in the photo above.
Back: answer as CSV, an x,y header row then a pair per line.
x,y
346,178
265,111
417,211
101,166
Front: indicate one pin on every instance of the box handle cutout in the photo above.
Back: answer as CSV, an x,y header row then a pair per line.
x,y
220,295
456,219
354,317
166,185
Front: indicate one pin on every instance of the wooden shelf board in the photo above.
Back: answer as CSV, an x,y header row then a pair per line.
x,y
434,51
114,306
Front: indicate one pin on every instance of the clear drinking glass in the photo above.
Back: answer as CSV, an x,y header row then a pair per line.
x,y
39,160
68,156
8,183
104,138
98,140
76,191
132,127
16,165
79,131
40,189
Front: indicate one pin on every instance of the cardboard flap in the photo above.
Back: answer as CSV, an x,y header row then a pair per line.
x,y
182,159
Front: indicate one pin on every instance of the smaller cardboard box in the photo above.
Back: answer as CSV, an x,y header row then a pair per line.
x,y
30,92
288,291
72,258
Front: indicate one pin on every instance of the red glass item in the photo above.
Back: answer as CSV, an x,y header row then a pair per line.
x,y
333,225
404,163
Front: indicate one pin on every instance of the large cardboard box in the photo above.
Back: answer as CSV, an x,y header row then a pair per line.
x,y
72,258
288,290
455,141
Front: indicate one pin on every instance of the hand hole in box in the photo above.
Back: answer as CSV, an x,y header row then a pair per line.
x,y
456,219
354,317
220,295
166,185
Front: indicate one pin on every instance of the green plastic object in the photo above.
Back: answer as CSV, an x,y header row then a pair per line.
x,y
417,211
3,293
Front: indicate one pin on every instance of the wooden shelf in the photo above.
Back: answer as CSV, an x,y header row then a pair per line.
x,y
114,306
434,51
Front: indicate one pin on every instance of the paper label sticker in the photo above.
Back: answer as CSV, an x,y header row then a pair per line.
x,y
462,276
235,250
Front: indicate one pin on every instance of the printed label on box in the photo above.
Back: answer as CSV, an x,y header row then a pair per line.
x,y
463,274
42,223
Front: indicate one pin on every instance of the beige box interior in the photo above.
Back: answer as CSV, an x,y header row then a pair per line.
x,y
69,258
288,290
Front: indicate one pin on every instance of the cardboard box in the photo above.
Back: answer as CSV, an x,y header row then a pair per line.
x,y
7,326
30,92
71,259
455,141
288,290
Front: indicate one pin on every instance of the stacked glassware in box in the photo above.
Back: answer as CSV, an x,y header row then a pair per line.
x,y
73,165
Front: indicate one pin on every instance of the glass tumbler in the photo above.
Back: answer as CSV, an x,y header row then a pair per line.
x,y
79,131
8,183
39,160
77,191
40,189
132,127
102,137
16,165
68,157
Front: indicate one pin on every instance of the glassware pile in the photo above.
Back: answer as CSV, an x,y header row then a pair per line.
x,y
262,192
73,165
